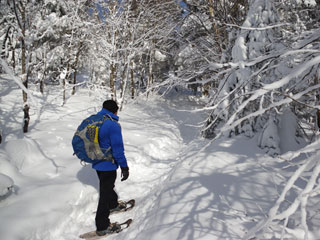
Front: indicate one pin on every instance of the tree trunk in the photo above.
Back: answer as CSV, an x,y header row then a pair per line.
x,y
316,81
26,118
123,79
318,119
74,81
63,82
214,25
24,73
112,81
150,77
24,94
41,85
41,77
25,83
76,68
132,80
13,59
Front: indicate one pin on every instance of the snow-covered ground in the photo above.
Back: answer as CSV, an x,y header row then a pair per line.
x,y
182,190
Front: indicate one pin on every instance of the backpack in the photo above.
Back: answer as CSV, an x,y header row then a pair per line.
x,y
85,141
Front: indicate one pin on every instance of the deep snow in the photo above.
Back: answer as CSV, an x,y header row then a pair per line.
x,y
181,192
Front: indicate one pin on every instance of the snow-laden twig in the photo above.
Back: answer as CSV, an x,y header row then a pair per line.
x,y
275,85
311,148
258,28
301,200
232,124
20,84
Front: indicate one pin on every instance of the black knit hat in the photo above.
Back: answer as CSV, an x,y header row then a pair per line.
x,y
111,106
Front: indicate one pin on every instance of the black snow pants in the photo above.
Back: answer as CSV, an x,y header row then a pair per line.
x,y
108,198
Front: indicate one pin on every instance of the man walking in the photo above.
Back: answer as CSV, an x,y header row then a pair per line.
x,y
109,136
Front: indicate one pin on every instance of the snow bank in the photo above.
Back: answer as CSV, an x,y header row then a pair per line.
x,y
55,196
6,183
17,150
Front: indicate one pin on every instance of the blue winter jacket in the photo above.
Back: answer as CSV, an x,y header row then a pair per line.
x,y
110,135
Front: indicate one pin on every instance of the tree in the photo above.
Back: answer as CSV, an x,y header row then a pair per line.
x,y
261,56
129,35
45,38
18,20
269,85
64,38
202,38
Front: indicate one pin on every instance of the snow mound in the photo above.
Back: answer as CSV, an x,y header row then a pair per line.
x,y
6,167
6,184
23,153
287,131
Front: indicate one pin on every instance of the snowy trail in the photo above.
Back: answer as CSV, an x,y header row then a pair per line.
x,y
56,196
151,155
170,180
181,193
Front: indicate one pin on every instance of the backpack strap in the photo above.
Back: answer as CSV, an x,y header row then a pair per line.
x,y
109,156
107,116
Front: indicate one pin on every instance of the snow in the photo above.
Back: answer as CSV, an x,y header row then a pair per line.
x,y
239,50
6,183
287,131
159,56
182,190
310,3
269,138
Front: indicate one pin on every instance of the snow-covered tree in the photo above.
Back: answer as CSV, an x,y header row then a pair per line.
x,y
64,37
41,39
202,39
268,66
19,19
270,87
254,39
130,38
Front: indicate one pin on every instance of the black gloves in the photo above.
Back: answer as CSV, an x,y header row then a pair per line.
x,y
124,173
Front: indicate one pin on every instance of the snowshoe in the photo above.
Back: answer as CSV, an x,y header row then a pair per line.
x,y
123,206
112,229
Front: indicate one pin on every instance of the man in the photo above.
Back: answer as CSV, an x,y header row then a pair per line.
x,y
109,136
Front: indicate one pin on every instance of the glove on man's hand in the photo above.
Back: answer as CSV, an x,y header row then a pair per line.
x,y
124,173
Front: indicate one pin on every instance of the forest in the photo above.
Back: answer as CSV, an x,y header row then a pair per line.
x,y
250,60
255,64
